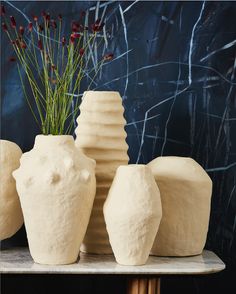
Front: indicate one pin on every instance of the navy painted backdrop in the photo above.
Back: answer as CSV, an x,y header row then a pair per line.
x,y
175,67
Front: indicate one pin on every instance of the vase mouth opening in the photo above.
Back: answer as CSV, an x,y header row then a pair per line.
x,y
101,95
41,140
133,166
102,92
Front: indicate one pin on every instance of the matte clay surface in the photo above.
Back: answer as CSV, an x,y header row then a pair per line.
x,y
56,184
101,136
11,218
196,120
186,198
132,213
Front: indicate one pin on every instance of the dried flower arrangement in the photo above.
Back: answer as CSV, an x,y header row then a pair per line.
x,y
55,65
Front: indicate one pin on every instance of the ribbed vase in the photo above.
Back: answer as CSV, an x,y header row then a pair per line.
x,y
101,136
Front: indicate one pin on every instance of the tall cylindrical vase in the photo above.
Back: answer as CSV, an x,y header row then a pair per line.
x,y
56,185
101,136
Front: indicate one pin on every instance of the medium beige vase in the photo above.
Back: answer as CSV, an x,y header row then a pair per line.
x,y
11,218
132,213
186,198
101,136
56,185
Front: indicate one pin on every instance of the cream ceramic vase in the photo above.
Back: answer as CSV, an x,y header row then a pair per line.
x,y
101,136
56,185
11,218
186,198
132,213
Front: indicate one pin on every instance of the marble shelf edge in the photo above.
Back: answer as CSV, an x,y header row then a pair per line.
x,y
19,261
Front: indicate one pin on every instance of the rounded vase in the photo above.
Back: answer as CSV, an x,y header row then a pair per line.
x,y
132,213
56,185
186,200
11,218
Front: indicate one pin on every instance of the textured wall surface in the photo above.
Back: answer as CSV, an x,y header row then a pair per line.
x,y
174,65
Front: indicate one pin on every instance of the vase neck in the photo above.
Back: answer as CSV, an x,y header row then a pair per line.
x,y
42,140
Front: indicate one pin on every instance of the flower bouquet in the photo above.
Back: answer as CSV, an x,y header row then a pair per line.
x,y
56,64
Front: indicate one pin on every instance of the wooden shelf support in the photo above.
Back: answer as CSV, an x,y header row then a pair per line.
x,y
144,285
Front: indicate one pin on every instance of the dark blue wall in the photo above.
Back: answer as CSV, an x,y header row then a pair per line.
x,y
178,84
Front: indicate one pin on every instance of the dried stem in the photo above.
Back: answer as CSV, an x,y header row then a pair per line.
x,y
55,68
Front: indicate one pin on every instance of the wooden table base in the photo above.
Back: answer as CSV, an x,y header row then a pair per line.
x,y
144,285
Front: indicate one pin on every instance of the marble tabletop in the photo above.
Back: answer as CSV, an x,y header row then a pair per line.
x,y
19,261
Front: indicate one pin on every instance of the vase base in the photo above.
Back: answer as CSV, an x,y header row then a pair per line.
x,y
55,261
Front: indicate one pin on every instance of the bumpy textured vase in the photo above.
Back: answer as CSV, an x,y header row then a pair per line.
x,y
186,198
11,218
132,213
101,136
56,185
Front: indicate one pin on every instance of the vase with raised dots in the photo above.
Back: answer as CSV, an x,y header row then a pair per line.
x,y
56,185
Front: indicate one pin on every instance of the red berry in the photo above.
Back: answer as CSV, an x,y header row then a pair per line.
x,y
83,13
53,23
12,59
97,26
40,28
40,45
72,38
4,27
13,22
21,30
3,12
44,14
23,45
48,17
74,26
109,56
30,27
75,35
81,51
35,18
63,41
